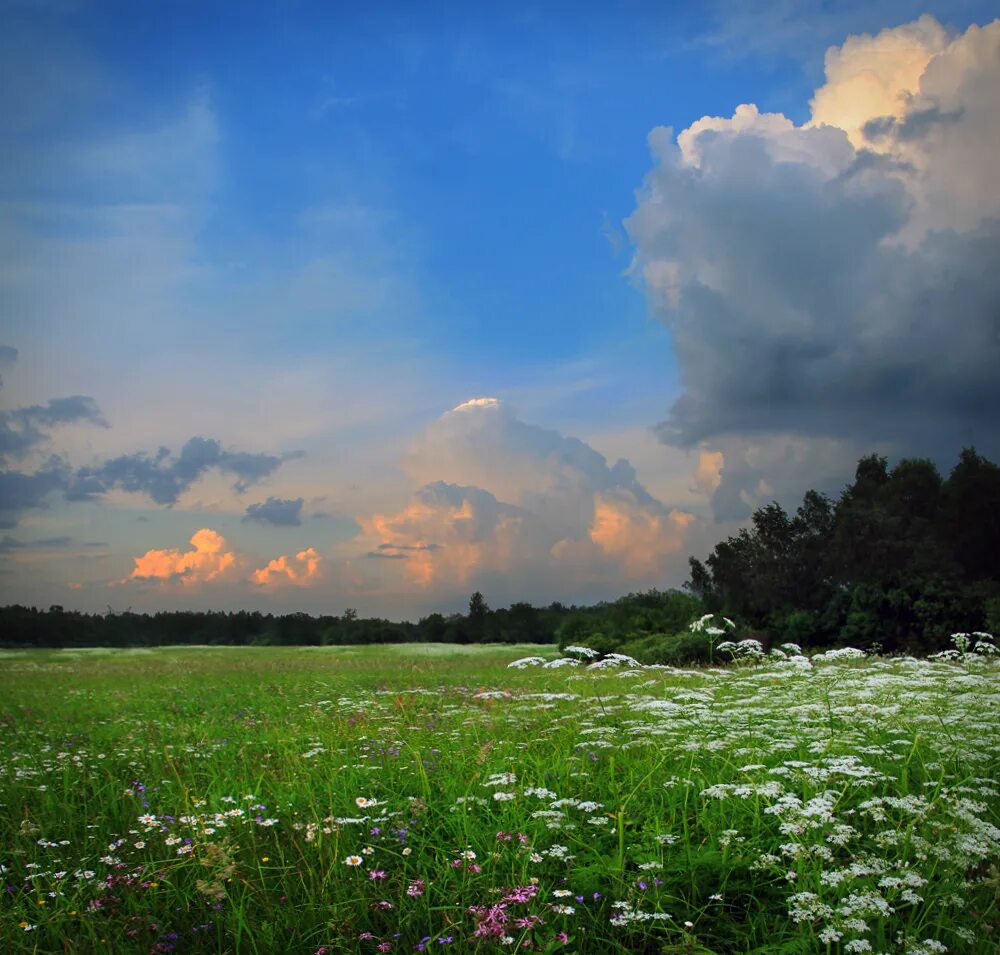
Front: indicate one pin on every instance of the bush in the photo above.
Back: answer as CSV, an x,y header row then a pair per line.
x,y
671,649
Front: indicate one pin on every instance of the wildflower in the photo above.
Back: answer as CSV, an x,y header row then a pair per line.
x,y
416,888
376,875
353,860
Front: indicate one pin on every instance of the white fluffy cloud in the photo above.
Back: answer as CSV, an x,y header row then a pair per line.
x,y
835,282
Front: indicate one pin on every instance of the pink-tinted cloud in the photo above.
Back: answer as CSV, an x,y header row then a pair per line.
x,y
207,560
301,570
212,559
523,512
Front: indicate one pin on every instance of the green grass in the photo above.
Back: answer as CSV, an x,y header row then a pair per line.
x,y
206,800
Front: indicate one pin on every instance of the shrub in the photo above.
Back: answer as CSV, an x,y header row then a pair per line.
x,y
671,649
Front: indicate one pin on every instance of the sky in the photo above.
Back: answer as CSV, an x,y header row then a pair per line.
x,y
306,307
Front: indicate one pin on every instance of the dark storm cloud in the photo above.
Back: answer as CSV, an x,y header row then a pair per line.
x,y
277,512
22,429
165,477
827,295
810,321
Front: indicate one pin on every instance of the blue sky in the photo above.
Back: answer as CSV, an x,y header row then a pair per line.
x,y
312,233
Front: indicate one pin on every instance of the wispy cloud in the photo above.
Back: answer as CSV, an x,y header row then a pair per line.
x,y
24,429
164,478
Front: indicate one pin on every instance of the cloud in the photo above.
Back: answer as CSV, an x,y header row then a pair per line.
x,y
208,560
9,543
399,551
22,429
8,357
522,511
21,491
277,512
301,570
832,282
212,562
165,478
876,76
482,443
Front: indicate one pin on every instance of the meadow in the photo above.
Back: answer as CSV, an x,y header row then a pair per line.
x,y
430,798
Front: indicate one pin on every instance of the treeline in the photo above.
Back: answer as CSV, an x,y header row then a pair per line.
x,y
653,611
900,561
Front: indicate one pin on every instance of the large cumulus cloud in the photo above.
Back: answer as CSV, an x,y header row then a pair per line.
x,y
832,287
523,512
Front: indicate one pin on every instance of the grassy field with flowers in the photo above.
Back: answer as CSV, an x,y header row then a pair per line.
x,y
400,799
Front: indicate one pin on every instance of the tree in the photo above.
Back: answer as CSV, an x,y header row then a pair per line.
x,y
478,614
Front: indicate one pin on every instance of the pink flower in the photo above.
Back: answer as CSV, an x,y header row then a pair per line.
x,y
377,875
416,888
521,893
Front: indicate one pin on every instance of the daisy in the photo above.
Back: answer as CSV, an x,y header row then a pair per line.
x,y
353,860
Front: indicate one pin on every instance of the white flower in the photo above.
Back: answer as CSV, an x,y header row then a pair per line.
x,y
525,662
353,861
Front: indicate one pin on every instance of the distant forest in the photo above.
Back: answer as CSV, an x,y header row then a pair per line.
x,y
900,561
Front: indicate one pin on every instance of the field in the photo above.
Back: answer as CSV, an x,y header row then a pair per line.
x,y
265,800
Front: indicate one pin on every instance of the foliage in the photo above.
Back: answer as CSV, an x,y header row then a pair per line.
x,y
620,620
900,560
